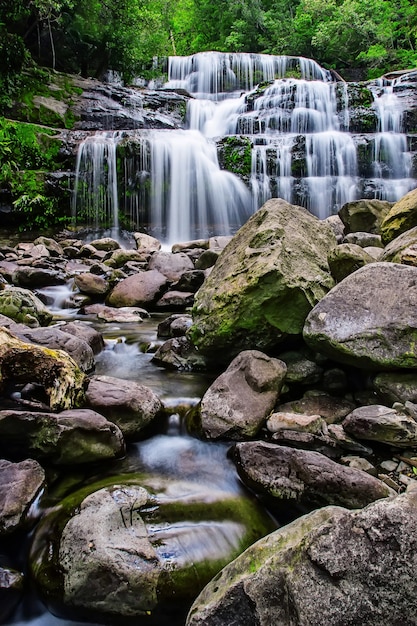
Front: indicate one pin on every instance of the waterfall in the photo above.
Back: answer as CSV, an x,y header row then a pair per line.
x,y
294,117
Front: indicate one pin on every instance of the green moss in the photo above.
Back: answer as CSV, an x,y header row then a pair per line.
x,y
237,155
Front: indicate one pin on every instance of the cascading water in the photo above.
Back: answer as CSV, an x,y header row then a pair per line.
x,y
293,115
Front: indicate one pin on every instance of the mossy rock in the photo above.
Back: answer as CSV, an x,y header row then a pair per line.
x,y
401,217
140,547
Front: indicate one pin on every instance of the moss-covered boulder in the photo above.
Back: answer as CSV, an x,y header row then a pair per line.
x,y
264,283
141,547
402,249
21,305
346,259
401,217
333,567
364,215
369,319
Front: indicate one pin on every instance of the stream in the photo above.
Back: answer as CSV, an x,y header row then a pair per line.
x,y
168,450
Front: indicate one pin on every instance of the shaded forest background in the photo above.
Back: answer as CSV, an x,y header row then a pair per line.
x,y
90,36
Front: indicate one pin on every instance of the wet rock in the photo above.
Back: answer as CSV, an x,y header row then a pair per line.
x,y
179,353
303,477
353,324
402,249
146,548
126,403
346,259
364,215
67,438
142,289
57,339
401,217
120,257
120,314
190,281
333,567
264,283
207,259
175,325
238,402
382,424
170,265
11,589
23,306
20,485
300,368
86,332
20,362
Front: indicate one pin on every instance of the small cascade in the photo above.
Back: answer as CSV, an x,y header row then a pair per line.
x,y
95,199
294,117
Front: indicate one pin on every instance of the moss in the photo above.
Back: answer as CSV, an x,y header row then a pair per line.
x,y
237,155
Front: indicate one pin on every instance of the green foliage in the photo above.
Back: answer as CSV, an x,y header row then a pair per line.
x,y
27,152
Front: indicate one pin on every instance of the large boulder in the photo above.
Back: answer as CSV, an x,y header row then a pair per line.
x,y
332,567
20,485
126,403
238,402
383,424
402,249
67,438
141,289
303,477
364,215
368,320
141,550
401,217
264,283
55,371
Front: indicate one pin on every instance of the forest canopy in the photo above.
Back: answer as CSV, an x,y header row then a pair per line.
x,y
91,36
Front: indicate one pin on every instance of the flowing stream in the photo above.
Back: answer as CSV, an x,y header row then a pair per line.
x,y
293,121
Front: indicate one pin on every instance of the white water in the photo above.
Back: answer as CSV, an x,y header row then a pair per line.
x,y
298,129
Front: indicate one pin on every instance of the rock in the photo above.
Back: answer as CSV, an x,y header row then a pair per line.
x,y
332,567
21,305
382,424
337,227
300,368
37,277
238,402
401,217
105,244
179,353
145,244
54,248
364,240
375,252
20,485
63,382
121,257
353,324
175,325
126,403
346,258
67,438
264,283
402,249
86,332
11,589
170,265
142,289
364,215
304,478
175,301
293,421
120,314
396,387
330,408
92,284
207,259
57,339
146,548
190,281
